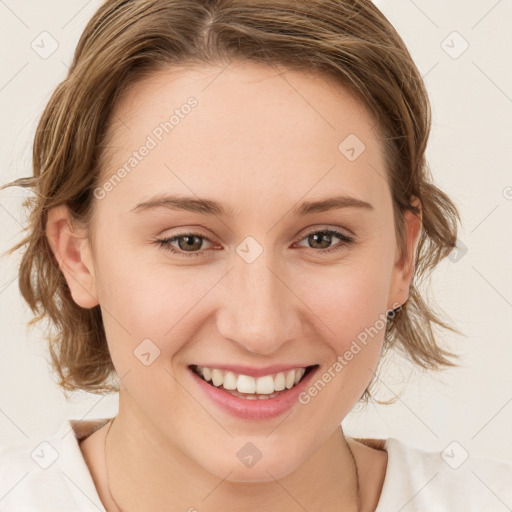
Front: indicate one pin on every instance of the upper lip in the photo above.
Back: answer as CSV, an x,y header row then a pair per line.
x,y
253,371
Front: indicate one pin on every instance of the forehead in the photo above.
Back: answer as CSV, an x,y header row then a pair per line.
x,y
227,131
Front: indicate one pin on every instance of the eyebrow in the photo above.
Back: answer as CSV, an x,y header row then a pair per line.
x,y
211,207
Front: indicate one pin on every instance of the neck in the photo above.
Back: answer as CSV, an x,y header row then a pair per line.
x,y
147,472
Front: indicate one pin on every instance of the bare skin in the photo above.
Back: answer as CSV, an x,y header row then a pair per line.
x,y
371,466
256,146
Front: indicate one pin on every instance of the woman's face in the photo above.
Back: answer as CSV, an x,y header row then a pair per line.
x,y
258,284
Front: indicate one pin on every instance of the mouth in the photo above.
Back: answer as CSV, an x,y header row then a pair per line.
x,y
247,387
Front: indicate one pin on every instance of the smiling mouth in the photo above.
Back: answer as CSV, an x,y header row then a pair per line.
x,y
253,388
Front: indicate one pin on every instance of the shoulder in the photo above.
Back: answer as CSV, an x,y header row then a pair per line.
x,y
451,479
47,474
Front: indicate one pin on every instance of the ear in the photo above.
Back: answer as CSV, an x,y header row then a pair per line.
x,y
403,271
72,250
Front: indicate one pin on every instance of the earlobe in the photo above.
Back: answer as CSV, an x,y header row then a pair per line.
x,y
71,249
406,263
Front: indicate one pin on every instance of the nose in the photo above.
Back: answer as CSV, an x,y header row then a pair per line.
x,y
259,310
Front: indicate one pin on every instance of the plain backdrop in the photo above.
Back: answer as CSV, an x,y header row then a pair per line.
x,y
463,51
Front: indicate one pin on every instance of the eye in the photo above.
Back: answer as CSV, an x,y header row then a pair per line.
x,y
187,244
323,238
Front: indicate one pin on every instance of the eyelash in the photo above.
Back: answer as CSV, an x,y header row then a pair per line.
x,y
165,243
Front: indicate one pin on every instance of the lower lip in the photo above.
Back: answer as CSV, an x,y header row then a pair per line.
x,y
254,409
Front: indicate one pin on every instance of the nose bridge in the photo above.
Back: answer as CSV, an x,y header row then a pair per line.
x,y
259,311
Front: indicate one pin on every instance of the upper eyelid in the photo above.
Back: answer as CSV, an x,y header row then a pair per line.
x,y
349,233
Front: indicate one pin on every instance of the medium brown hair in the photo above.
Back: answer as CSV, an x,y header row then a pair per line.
x,y
126,41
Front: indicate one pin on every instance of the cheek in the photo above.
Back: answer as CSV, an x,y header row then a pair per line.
x,y
144,300
350,305
138,285
350,297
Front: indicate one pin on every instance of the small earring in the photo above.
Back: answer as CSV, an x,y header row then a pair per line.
x,y
392,312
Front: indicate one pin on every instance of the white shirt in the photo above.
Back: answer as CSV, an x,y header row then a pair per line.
x,y
52,476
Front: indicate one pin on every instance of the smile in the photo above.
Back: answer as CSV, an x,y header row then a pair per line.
x,y
249,387
252,397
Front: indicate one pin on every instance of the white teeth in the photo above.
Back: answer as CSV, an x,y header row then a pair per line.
x,y
279,382
265,385
207,373
250,387
290,379
246,384
229,380
217,377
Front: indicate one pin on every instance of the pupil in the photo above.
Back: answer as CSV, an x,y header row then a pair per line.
x,y
189,242
322,238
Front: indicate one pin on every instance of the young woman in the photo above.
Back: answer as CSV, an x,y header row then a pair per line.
x,y
232,208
